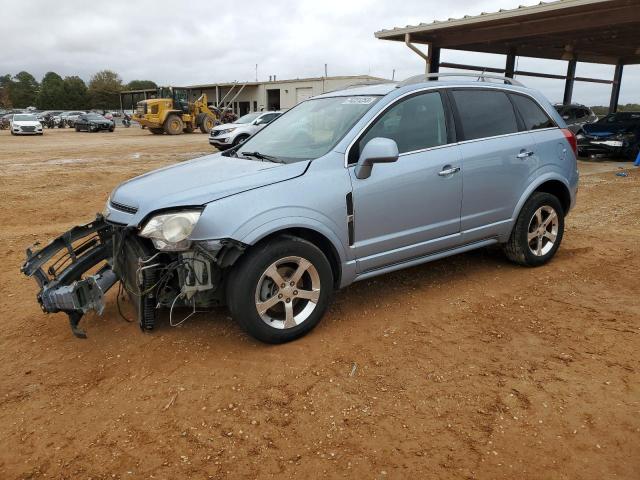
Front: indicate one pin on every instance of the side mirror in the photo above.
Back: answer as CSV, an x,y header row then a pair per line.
x,y
377,150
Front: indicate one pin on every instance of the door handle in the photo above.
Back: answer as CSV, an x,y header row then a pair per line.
x,y
449,171
524,154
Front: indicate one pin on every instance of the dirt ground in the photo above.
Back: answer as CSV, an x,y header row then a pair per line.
x,y
468,367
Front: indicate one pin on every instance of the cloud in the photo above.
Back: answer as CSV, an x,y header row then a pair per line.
x,y
204,41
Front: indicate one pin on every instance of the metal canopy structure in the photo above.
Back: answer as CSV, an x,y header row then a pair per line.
x,y
594,31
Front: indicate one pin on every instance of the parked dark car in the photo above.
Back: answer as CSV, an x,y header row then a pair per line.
x,y
616,135
92,122
576,116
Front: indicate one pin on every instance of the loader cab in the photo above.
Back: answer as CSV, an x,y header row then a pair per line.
x,y
179,97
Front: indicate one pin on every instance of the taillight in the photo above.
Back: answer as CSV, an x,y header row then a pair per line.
x,y
571,138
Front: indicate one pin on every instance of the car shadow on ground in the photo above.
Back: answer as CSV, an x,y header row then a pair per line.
x,y
348,302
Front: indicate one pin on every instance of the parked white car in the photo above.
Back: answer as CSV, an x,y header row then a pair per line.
x,y
25,124
231,134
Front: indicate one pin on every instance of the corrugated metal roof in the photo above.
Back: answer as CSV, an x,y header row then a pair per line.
x,y
486,17
288,80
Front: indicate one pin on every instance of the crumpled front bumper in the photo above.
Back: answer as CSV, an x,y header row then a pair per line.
x,y
59,269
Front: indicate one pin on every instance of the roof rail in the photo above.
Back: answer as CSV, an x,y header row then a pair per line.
x,y
480,77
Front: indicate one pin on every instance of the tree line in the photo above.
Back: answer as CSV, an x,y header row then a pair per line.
x,y
53,92
601,111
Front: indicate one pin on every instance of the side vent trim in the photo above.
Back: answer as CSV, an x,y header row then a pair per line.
x,y
350,218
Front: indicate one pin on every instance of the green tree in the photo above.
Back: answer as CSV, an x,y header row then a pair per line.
x,y
5,87
75,93
141,85
104,88
51,95
24,90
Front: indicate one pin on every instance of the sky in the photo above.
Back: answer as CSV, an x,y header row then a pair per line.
x,y
199,41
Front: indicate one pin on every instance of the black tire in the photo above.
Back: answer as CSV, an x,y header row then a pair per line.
x,y
519,248
239,139
157,131
242,285
633,151
206,122
173,125
77,128
111,129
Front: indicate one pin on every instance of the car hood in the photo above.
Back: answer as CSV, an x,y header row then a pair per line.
x,y
199,181
224,126
24,123
608,129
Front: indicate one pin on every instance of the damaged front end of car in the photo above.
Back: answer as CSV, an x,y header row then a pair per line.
x,y
156,265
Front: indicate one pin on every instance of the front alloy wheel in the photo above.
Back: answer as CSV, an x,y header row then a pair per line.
x,y
287,292
279,290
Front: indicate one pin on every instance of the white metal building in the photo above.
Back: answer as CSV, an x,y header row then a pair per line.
x,y
274,94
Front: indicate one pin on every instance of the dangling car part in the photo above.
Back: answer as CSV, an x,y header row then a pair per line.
x,y
75,271
59,268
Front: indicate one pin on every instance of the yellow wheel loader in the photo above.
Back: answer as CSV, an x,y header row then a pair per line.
x,y
172,113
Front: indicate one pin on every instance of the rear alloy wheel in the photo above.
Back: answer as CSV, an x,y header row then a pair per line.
x,y
538,231
280,290
173,125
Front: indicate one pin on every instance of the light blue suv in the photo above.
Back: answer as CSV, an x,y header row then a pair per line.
x,y
343,187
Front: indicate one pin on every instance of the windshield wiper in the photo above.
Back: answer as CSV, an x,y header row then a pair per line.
x,y
261,156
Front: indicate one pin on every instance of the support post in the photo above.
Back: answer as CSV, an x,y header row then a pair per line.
x,y
568,83
407,42
434,59
615,90
510,67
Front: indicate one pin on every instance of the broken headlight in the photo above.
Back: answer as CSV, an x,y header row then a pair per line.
x,y
170,231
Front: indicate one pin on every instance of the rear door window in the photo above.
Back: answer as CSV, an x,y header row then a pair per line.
x,y
532,114
484,113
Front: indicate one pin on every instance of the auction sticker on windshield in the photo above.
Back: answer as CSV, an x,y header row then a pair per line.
x,y
358,100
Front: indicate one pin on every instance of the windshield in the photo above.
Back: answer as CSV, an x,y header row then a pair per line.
x,y
621,117
25,118
248,118
95,116
311,129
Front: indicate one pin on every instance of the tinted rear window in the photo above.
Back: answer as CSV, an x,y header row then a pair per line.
x,y
484,113
534,117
